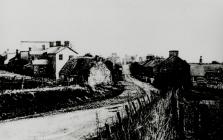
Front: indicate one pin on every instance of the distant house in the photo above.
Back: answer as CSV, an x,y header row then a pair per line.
x,y
144,70
209,73
40,67
173,72
9,56
2,60
46,58
58,56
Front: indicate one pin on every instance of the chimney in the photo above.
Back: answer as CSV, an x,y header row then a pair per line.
x,y
58,43
43,47
51,44
17,53
66,43
201,60
173,53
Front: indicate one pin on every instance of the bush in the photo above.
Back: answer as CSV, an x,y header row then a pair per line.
x,y
16,103
26,102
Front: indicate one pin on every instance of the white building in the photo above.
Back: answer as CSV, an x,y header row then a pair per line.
x,y
46,57
59,56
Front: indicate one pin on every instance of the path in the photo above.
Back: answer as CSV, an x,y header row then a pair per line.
x,y
64,126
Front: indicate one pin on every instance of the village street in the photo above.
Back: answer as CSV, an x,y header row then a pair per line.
x,y
72,125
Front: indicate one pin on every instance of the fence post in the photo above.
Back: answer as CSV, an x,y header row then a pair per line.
x,y
127,110
108,131
140,104
22,83
149,100
119,118
144,100
134,107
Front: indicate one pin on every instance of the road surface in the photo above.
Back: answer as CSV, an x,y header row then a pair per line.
x,y
66,126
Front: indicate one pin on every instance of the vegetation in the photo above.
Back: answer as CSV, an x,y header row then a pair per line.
x,y
150,121
140,72
16,81
116,71
15,103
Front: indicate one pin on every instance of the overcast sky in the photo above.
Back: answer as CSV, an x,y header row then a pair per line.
x,y
194,27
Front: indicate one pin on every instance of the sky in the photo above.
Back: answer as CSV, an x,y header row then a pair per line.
x,y
194,27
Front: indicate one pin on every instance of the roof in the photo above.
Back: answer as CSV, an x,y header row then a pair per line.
x,y
36,52
173,63
77,65
174,60
40,62
55,50
202,69
152,63
34,41
9,57
197,70
142,62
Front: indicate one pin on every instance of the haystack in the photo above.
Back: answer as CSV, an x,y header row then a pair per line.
x,y
86,70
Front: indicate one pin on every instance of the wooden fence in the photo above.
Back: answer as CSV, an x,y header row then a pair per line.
x,y
140,119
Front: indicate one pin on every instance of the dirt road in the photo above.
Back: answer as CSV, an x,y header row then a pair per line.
x,y
72,125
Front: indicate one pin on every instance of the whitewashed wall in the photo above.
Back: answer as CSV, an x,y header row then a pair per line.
x,y
60,63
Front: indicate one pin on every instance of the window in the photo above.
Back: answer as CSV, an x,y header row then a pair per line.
x,y
60,57
43,47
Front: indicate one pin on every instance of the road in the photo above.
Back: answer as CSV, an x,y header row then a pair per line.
x,y
67,126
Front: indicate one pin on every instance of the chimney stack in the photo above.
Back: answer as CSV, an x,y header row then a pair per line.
x,y
66,43
17,53
58,43
201,60
173,53
51,44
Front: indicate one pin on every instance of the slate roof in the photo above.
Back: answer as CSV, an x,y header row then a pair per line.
x,y
55,50
77,65
172,64
9,57
153,63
